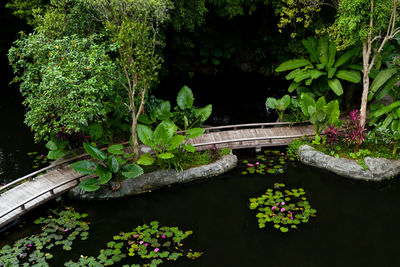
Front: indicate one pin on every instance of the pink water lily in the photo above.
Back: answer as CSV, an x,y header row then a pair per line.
x,y
130,243
274,207
156,249
257,163
291,218
283,203
146,244
136,235
141,242
282,209
250,165
163,236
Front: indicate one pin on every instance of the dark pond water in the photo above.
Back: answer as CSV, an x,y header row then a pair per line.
x,y
357,223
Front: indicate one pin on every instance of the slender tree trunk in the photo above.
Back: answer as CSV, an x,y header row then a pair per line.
x,y
364,97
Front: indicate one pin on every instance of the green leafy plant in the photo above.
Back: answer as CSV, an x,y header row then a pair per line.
x,y
109,166
58,230
152,244
320,113
271,162
285,209
280,105
293,147
166,143
323,70
360,156
57,148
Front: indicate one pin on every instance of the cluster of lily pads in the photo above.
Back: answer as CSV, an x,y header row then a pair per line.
x,y
38,160
283,208
150,245
58,230
271,162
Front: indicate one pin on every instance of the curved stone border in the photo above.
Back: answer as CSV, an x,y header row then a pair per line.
x,y
150,181
378,168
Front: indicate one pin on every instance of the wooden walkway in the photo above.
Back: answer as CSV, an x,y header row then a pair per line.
x,y
30,191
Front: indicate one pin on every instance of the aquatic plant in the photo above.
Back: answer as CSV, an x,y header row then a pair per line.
x,y
271,162
285,209
150,245
61,229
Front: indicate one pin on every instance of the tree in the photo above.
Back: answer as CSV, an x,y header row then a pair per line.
x,y
135,27
374,24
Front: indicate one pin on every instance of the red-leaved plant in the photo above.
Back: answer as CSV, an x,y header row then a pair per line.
x,y
332,135
355,133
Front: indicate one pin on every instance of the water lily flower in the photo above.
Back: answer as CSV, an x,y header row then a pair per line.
x,y
65,230
42,156
283,203
282,154
274,207
291,218
156,249
163,236
141,242
250,165
146,244
130,243
282,209
29,245
3,183
136,235
21,255
257,163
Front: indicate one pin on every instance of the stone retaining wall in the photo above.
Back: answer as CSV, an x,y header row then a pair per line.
x,y
157,179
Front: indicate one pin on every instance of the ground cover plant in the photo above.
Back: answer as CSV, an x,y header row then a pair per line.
x,y
283,208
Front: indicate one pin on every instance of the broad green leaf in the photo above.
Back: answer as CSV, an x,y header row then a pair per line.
x,y
96,131
166,155
333,111
94,152
113,164
305,102
353,67
132,171
163,133
332,54
104,173
385,109
323,49
389,85
387,121
145,134
185,98
144,119
90,185
293,74
51,145
163,111
293,64
284,102
320,104
175,142
382,77
116,149
84,167
395,125
346,57
55,154
293,86
189,147
331,72
303,75
146,159
204,113
271,102
336,86
351,76
311,46
194,132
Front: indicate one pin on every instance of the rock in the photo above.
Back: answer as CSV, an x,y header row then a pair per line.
x,y
150,181
378,169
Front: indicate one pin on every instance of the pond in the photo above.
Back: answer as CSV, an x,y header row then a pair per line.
x,y
356,222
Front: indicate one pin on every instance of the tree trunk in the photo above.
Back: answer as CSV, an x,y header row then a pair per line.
x,y
134,136
364,97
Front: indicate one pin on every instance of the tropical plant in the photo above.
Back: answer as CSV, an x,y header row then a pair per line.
x,y
323,70
165,142
280,105
355,132
332,135
58,230
108,167
185,115
152,243
320,113
284,208
374,30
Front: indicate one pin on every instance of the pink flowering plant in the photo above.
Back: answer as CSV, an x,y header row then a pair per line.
x,y
272,162
146,245
285,209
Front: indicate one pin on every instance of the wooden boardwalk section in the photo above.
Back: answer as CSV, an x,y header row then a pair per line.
x,y
32,190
